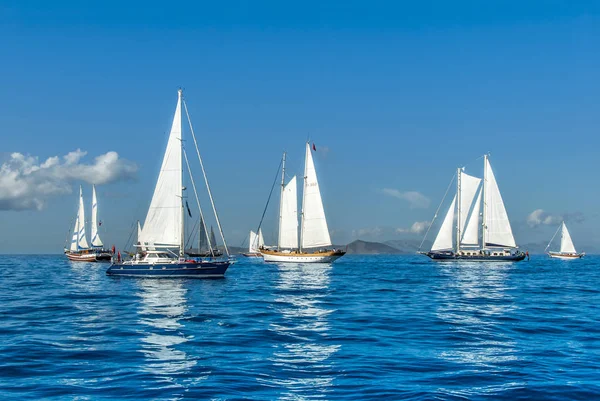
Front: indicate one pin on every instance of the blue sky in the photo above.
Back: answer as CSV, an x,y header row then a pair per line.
x,y
396,95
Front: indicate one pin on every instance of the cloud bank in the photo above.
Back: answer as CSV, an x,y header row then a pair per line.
x,y
418,227
414,198
27,184
540,217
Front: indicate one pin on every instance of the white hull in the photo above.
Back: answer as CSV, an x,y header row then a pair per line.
x,y
300,258
565,256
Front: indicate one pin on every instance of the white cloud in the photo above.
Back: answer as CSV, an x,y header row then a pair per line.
x,y
414,198
25,183
418,227
540,217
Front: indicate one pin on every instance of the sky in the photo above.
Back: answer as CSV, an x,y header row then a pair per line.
x,y
396,95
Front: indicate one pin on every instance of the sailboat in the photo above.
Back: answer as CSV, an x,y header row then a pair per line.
x,y
161,240
476,226
205,248
314,234
567,249
255,242
79,250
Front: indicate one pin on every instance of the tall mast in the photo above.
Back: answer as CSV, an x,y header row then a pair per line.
x,y
484,196
281,200
303,198
182,235
458,198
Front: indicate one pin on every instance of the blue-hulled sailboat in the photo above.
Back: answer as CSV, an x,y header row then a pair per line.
x,y
161,240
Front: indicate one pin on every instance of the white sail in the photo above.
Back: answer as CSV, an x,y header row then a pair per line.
x,y
139,232
73,247
261,240
288,226
314,225
79,233
497,225
163,224
566,243
443,241
471,232
253,242
96,241
468,190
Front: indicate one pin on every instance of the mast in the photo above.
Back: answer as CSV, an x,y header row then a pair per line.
x,y
303,198
181,187
458,200
484,196
281,200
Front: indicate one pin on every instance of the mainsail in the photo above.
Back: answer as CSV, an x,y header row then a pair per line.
x,y
96,241
79,241
566,243
163,224
468,189
497,226
314,231
443,241
288,222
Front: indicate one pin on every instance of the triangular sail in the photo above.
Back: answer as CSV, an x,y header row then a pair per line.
x,y
468,190
497,225
213,239
443,241
288,226
566,243
139,231
314,225
202,238
96,241
261,240
163,224
253,242
471,231
81,240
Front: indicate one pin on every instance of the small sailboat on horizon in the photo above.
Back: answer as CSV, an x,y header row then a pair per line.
x,y
79,250
314,234
255,243
207,243
567,248
476,226
161,240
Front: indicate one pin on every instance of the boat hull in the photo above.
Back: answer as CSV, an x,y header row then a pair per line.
x,y
450,256
202,269
89,256
301,257
252,255
565,256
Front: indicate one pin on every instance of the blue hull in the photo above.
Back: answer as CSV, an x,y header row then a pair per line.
x,y
447,256
170,270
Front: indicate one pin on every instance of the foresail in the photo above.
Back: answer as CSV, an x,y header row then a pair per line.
x,y
96,241
261,240
253,242
81,240
497,225
288,226
566,243
468,189
162,226
315,232
443,241
471,231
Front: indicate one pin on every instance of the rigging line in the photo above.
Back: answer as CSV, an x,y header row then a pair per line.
x,y
437,211
556,232
129,242
206,179
269,198
198,201
192,235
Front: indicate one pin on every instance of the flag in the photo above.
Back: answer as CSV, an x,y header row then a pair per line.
x,y
188,208
99,223
314,147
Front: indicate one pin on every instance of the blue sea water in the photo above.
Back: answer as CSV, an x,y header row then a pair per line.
x,y
366,327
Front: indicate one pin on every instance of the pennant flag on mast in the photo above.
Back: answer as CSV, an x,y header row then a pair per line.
x,y
314,147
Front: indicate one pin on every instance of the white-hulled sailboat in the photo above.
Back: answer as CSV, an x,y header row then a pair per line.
x,y
79,250
476,227
161,240
567,249
314,234
255,243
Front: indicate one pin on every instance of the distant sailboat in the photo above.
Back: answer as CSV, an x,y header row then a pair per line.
x,y
255,243
162,252
476,227
205,248
79,250
567,249
314,233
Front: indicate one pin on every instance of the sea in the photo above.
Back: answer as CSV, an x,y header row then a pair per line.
x,y
362,328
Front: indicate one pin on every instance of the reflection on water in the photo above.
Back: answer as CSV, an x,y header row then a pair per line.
x,y
163,306
473,301
302,355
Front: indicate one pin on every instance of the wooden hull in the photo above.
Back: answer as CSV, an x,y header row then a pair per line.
x,y
302,257
252,255
89,256
565,256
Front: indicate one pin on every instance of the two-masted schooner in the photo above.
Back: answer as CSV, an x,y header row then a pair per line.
x,y
476,226
161,240
567,249
314,234
79,250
